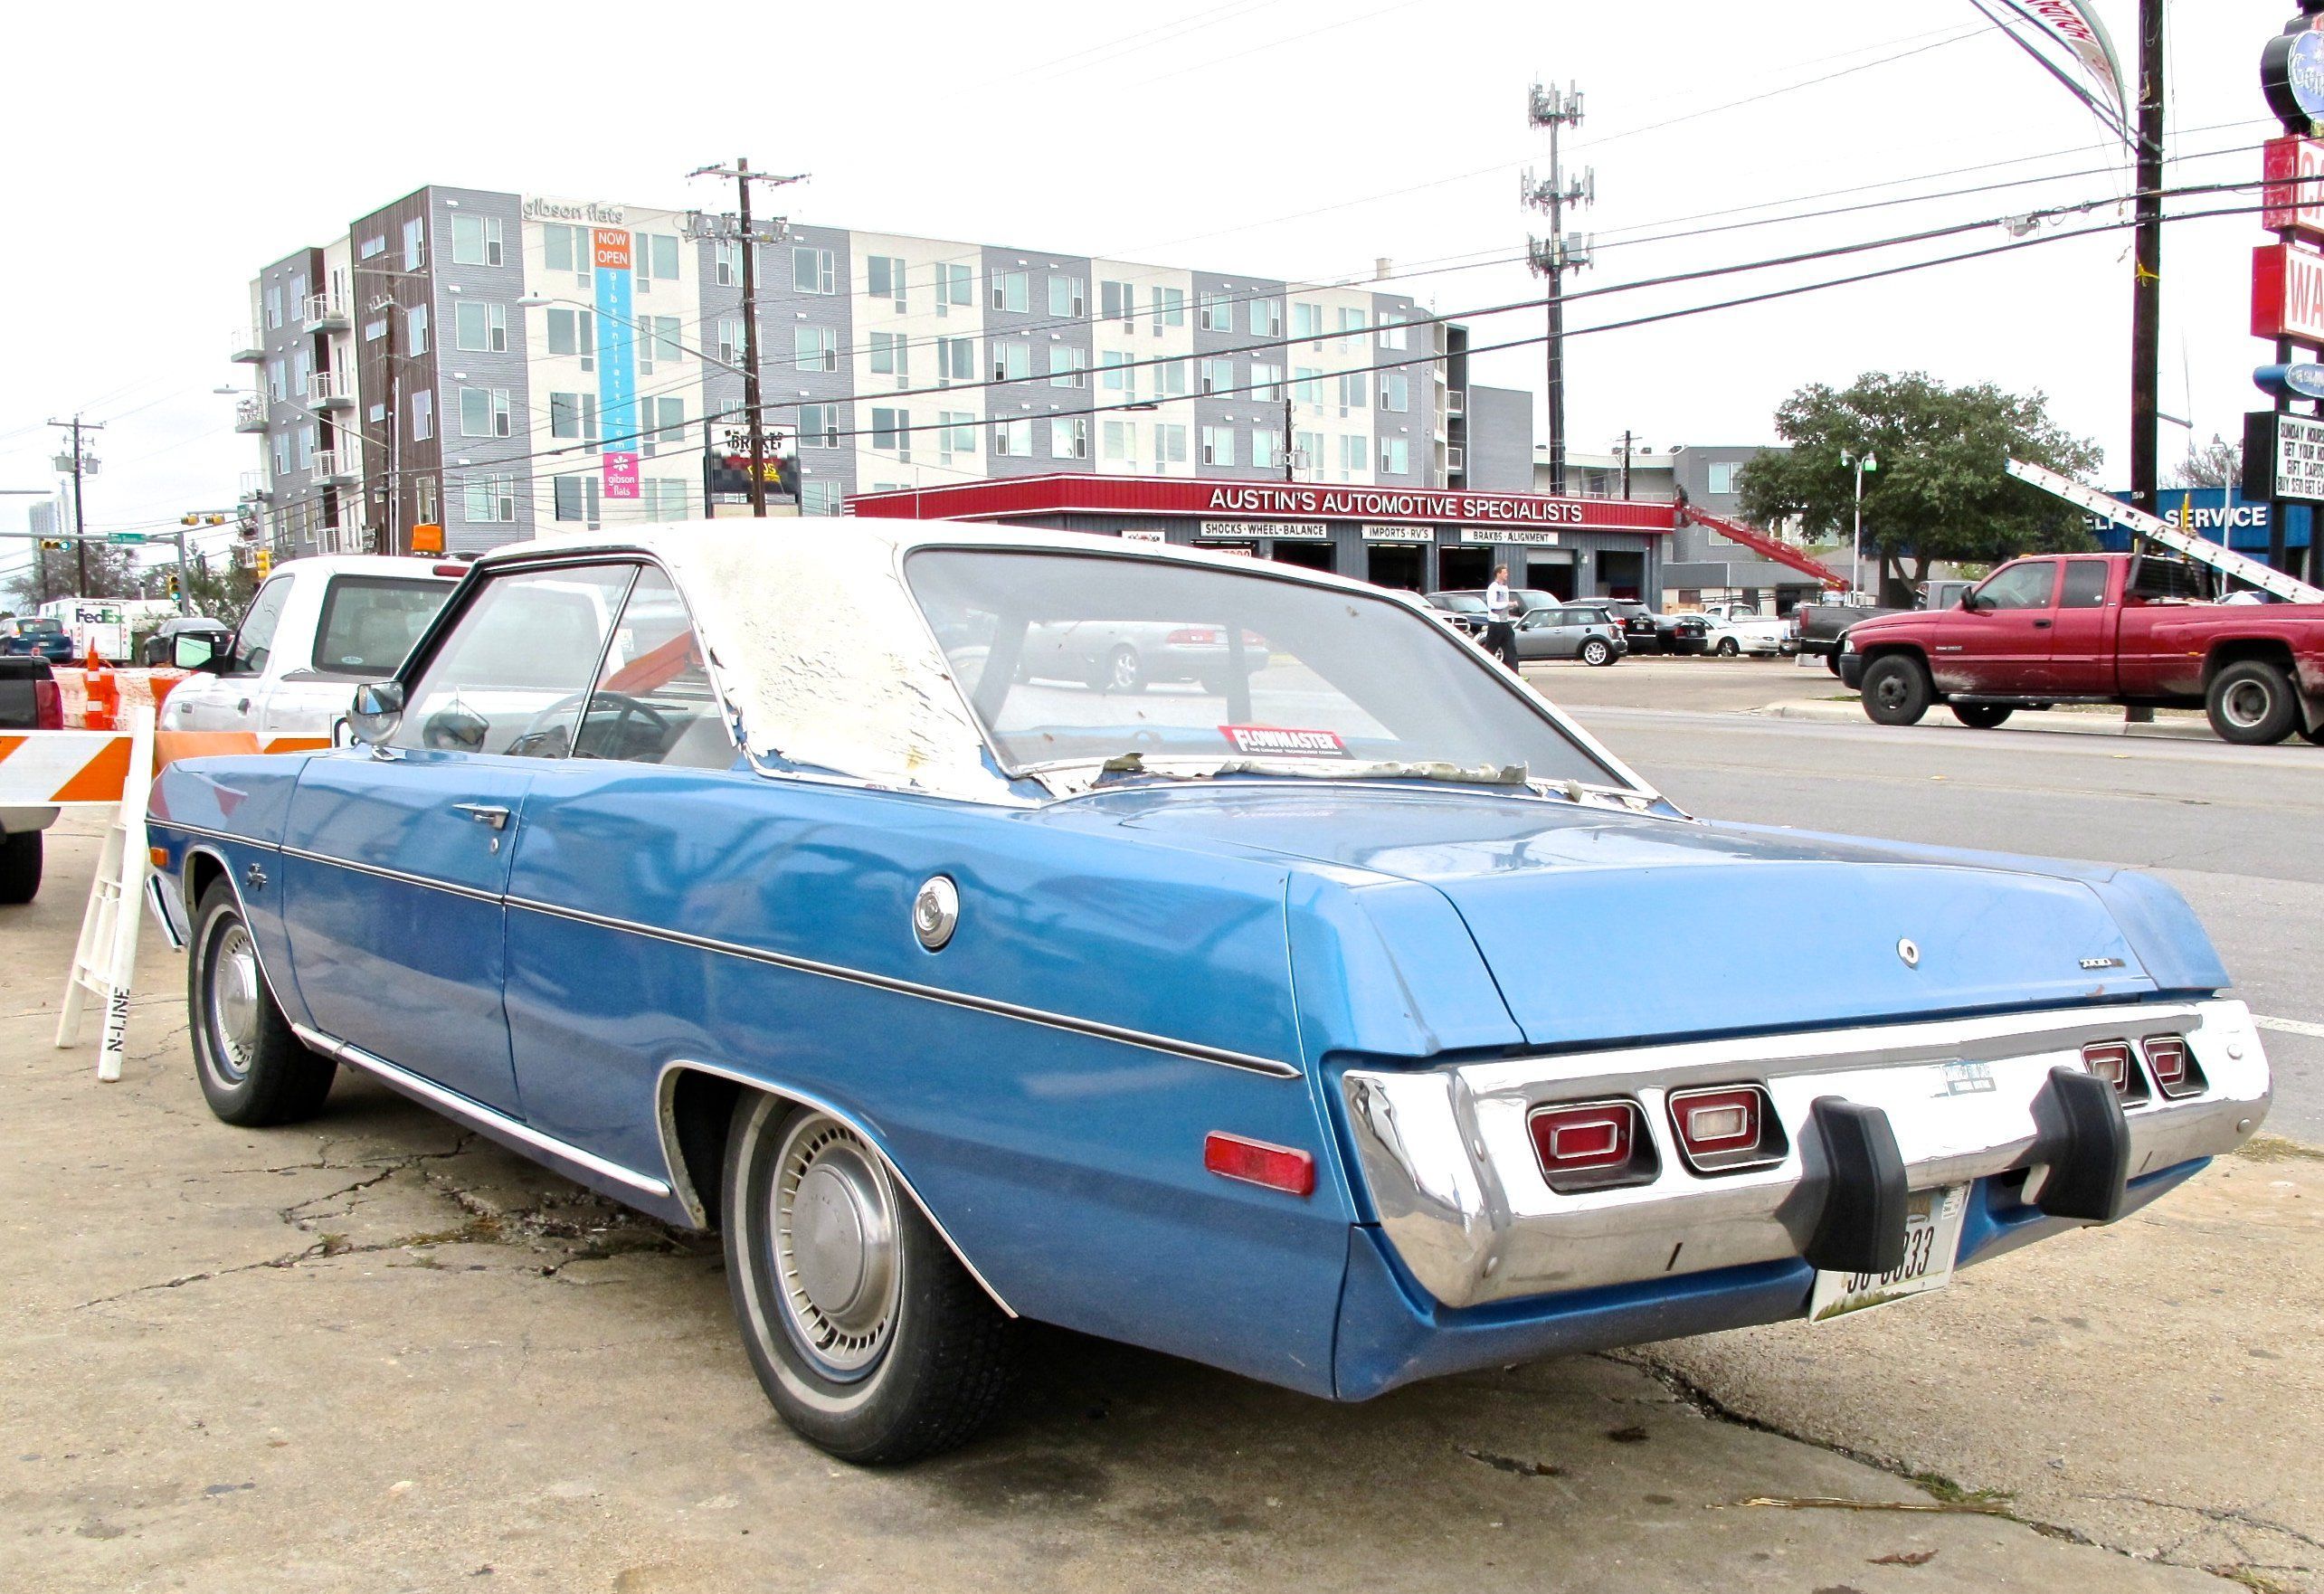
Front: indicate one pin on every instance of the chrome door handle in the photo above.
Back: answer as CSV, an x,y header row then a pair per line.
x,y
484,813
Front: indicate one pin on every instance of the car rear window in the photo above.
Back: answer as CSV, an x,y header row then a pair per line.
x,y
370,622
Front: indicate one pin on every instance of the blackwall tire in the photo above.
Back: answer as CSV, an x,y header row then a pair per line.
x,y
1597,652
2252,704
869,1338
1980,717
253,1069
20,867
1729,648
1896,690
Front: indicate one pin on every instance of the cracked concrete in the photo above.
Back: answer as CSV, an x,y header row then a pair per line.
x,y
375,1352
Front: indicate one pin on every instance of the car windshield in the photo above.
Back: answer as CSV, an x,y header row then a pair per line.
x,y
1459,603
370,622
1070,659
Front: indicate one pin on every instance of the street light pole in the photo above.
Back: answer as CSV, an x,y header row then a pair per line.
x,y
1863,462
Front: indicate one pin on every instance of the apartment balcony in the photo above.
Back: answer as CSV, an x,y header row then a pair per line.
x,y
249,413
249,348
254,488
327,313
333,467
330,390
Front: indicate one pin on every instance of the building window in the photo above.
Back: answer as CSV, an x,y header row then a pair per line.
x,y
277,383
476,241
574,415
1217,376
654,260
812,270
665,498
1170,379
373,331
732,347
1069,296
955,359
1391,329
480,328
1307,384
1351,391
1012,361
1395,392
423,502
956,432
955,285
1118,301
817,348
819,498
1170,308
1117,375
727,263
574,332
891,356
567,248
1217,312
274,308
1170,443
302,373
371,246
661,423
306,448
1355,450
483,412
1267,317
1267,381
489,498
1121,439
576,497
891,430
1267,448
1069,367
1353,323
416,321
1307,449
282,454
1723,475
423,415
1395,457
415,244
819,426
1012,439
1069,437
658,341
886,273
1218,445
1307,322
1009,291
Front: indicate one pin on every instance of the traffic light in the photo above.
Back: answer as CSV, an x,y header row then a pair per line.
x,y
173,584
52,543
189,520
263,564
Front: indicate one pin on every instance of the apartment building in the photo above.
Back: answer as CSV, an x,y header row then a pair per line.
x,y
500,365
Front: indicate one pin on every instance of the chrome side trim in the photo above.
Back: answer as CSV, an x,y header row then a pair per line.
x,y
982,1004
1458,1190
157,905
665,1098
210,835
472,892
476,1114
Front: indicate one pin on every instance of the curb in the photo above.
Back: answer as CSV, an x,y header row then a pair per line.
x,y
2074,725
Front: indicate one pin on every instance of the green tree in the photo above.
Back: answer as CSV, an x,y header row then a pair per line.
x,y
2217,463
1941,491
55,573
217,586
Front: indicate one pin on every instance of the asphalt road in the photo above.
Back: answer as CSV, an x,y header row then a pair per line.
x,y
2239,830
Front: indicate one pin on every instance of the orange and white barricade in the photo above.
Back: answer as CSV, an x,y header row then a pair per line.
x,y
105,959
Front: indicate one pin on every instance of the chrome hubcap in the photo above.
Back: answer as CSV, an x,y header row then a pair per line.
x,y
833,1220
2247,702
233,1003
1125,669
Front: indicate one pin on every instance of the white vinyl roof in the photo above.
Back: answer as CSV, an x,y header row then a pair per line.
x,y
821,653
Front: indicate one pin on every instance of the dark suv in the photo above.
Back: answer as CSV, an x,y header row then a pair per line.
x,y
1649,632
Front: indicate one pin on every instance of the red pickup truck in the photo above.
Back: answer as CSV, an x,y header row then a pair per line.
x,y
2135,630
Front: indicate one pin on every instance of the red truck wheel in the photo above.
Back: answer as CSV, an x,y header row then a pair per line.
x,y
1897,691
2252,704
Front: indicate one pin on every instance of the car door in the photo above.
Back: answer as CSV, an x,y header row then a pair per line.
x,y
1541,634
397,858
224,701
1999,644
2082,642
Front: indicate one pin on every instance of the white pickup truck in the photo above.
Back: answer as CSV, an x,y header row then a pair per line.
x,y
316,629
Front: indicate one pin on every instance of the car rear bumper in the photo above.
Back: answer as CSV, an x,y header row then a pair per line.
x,y
1453,1180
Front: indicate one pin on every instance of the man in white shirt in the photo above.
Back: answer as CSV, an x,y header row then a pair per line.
x,y
1500,618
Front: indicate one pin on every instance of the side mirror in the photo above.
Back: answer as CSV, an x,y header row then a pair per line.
x,y
376,711
1973,603
191,651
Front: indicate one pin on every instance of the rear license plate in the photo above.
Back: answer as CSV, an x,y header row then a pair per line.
x,y
1932,1239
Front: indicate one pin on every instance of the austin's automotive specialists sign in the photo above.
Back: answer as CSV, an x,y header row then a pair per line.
x,y
1351,502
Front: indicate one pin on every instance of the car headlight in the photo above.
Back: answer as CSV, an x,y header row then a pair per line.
x,y
1847,644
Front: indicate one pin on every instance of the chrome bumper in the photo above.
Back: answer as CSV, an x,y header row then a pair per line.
x,y
1453,1180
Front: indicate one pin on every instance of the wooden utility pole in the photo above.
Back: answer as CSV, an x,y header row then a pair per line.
x,y
1554,109
80,520
755,422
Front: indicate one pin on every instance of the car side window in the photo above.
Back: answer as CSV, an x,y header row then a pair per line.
x,y
652,702
514,671
2021,587
254,642
2085,584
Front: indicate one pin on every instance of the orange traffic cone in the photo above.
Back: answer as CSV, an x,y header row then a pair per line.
x,y
102,694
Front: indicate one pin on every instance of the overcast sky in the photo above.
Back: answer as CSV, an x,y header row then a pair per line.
x,y
163,154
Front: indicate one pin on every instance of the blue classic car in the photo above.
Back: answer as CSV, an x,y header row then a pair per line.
x,y
1340,1018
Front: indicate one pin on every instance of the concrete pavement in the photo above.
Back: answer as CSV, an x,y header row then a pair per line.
x,y
374,1354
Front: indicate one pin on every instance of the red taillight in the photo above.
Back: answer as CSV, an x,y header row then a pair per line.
x,y
1191,636
448,570
2110,1061
1254,1162
2173,1067
48,707
1726,1127
1591,1144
